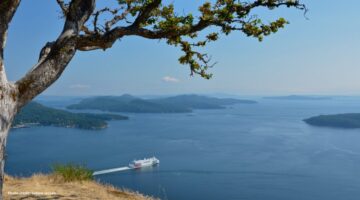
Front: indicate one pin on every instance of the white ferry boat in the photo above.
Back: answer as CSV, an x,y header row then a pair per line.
x,y
146,162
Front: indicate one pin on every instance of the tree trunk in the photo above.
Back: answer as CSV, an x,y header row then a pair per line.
x,y
8,109
5,126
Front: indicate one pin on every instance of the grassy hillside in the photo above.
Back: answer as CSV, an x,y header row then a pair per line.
x,y
51,186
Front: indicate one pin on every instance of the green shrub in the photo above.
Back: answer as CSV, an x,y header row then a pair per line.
x,y
72,172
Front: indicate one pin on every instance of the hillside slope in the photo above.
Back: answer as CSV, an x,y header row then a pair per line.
x,y
47,187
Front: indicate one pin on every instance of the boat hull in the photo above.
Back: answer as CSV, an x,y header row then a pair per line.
x,y
137,164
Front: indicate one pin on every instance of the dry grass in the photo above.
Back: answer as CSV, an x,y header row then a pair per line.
x,y
46,187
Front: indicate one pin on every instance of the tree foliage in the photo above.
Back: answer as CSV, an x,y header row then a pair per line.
x,y
155,20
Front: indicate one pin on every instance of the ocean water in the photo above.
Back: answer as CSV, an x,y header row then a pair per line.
x,y
255,152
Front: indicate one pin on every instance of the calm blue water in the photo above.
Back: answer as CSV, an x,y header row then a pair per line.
x,y
255,152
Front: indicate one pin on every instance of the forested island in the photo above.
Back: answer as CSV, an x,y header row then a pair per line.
x,y
298,97
176,104
348,120
35,114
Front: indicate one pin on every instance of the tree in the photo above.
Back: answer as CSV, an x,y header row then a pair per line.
x,y
151,19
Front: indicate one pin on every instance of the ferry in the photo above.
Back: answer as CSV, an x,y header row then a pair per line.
x,y
146,162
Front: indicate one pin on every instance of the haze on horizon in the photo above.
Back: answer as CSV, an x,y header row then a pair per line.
x,y
319,56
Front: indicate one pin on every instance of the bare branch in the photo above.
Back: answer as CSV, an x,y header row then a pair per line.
x,y
116,19
106,40
98,13
55,56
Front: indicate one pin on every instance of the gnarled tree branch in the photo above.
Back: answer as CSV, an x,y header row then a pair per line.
x,y
156,21
55,56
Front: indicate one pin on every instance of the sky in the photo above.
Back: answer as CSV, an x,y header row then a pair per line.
x,y
314,55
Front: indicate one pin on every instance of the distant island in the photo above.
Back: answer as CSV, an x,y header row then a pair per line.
x,y
298,97
349,120
35,114
176,104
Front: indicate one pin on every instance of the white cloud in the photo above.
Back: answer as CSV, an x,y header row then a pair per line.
x,y
79,86
170,79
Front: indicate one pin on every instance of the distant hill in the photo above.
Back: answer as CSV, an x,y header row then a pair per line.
x,y
176,104
298,97
125,103
349,120
200,102
35,114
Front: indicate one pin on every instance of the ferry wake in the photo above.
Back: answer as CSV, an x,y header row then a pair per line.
x,y
135,164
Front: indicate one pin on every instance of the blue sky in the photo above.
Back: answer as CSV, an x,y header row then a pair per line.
x,y
317,56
